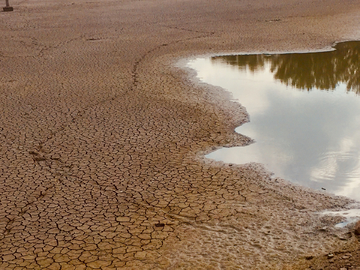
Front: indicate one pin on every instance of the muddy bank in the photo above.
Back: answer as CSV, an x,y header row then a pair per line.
x,y
102,138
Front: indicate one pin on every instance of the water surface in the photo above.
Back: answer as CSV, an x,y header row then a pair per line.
x,y
304,113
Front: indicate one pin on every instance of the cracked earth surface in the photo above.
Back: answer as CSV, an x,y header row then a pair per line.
x,y
103,136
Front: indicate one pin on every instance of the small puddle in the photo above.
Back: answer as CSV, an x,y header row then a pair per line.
x,y
351,215
304,113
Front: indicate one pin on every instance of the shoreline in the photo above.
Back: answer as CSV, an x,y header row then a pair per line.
x,y
343,215
228,94
101,134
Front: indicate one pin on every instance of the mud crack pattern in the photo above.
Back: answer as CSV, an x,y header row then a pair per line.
x,y
102,140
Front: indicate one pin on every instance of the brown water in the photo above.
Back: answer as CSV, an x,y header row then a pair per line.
x,y
304,113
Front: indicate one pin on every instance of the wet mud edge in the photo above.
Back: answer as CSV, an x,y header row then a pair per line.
x,y
240,116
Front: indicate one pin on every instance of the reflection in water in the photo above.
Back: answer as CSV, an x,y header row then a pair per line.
x,y
309,137
323,70
352,215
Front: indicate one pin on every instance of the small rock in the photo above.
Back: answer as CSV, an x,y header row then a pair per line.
x,y
345,236
357,228
310,257
330,255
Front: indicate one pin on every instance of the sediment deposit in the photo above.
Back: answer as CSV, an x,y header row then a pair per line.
x,y
103,134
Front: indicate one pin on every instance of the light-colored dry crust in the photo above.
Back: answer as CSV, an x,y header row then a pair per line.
x,y
102,137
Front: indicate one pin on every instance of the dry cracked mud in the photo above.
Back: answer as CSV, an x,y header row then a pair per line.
x,y
103,135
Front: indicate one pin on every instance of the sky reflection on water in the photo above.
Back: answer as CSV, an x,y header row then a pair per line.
x,y
304,114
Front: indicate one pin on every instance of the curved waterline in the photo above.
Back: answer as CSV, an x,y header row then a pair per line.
x,y
304,113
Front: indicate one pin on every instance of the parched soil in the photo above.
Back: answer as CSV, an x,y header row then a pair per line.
x,y
103,133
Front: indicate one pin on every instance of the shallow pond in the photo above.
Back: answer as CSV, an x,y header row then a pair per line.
x,y
304,113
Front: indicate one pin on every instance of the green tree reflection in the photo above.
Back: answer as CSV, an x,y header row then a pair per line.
x,y
322,70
